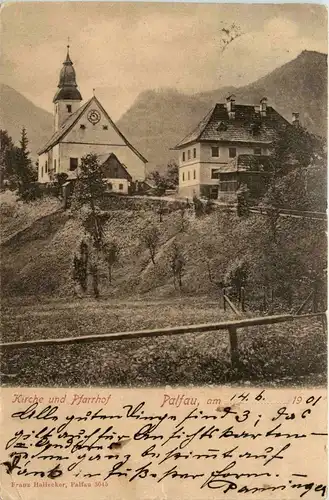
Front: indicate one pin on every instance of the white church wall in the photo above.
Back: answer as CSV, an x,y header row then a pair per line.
x,y
56,159
94,134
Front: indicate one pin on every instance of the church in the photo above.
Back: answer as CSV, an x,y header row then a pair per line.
x,y
83,129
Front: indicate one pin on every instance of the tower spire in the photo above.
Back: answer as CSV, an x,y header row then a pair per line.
x,y
67,85
68,59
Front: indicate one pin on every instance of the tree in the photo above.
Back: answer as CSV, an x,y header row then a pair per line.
x,y
198,206
228,35
295,153
26,175
177,264
89,191
243,203
150,238
237,276
111,256
7,160
169,180
16,169
80,266
209,206
172,175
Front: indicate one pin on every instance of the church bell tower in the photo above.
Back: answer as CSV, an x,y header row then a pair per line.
x,y
67,98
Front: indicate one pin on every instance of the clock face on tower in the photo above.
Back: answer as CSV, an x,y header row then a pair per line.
x,y
94,116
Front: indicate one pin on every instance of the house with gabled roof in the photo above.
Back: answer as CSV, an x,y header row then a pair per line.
x,y
230,146
79,130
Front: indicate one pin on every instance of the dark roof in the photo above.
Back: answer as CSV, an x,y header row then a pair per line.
x,y
65,128
72,120
67,85
110,159
70,93
247,126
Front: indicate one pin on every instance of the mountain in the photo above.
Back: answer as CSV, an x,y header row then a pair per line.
x,y
159,119
16,112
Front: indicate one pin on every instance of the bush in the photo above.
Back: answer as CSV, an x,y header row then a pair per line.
x,y
30,192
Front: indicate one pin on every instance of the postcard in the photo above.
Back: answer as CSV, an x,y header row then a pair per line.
x,y
163,198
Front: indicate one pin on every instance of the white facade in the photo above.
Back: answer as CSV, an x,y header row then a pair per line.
x,y
120,186
198,163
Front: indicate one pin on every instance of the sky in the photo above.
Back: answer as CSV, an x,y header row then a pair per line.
x,y
122,49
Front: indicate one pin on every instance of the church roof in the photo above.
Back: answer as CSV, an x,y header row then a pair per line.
x,y
67,85
217,126
72,120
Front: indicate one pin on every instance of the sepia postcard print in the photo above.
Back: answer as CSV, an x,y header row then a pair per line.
x,y
163,202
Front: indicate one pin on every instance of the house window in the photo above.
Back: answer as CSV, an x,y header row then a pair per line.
x,y
215,151
194,152
46,167
41,171
184,156
121,187
188,175
232,152
105,127
194,174
183,176
110,186
214,173
73,163
257,151
55,165
188,154
69,108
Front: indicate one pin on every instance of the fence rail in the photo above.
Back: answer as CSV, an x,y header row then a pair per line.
x,y
231,326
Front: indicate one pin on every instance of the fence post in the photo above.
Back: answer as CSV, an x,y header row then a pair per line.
x,y
224,301
234,346
242,299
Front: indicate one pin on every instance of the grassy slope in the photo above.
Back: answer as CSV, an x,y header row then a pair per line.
x,y
38,261
40,301
285,354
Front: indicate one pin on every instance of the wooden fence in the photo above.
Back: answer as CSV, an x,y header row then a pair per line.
x,y
231,326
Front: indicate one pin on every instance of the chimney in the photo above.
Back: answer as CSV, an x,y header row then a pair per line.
x,y
295,119
230,106
263,106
